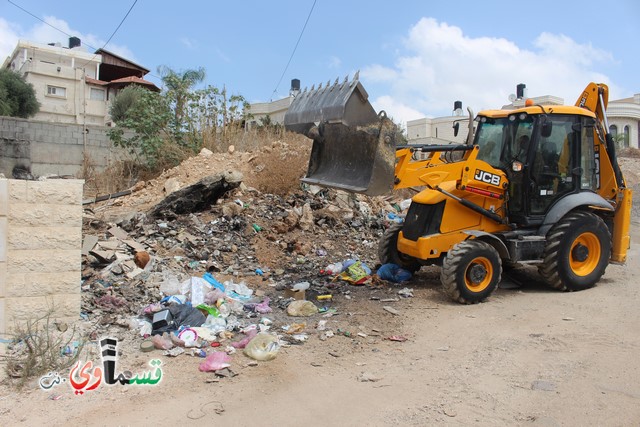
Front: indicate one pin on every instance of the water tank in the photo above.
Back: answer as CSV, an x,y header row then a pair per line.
x,y
520,90
457,105
295,85
74,42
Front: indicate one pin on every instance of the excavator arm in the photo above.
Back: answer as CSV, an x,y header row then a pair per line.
x,y
595,98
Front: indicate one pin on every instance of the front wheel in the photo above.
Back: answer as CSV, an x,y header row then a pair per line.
x,y
577,252
388,249
471,271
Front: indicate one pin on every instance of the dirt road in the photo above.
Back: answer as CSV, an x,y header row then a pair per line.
x,y
528,356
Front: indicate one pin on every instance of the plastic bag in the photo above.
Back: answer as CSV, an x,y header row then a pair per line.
x,y
394,273
215,361
212,280
357,272
196,288
239,291
162,342
170,284
262,347
243,342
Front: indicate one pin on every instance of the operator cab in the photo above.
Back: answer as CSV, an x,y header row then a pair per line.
x,y
545,156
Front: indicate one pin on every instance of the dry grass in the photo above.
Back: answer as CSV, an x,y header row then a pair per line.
x,y
38,347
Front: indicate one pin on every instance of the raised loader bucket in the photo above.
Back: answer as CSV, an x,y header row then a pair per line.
x,y
353,147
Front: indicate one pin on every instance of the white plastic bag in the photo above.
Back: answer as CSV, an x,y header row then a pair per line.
x,y
195,288
262,347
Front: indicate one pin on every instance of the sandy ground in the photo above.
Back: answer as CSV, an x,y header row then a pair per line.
x,y
527,356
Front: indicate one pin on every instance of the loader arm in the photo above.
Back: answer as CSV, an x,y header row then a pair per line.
x,y
595,99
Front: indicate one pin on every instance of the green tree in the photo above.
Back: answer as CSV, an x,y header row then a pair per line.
x,y
17,97
178,87
145,114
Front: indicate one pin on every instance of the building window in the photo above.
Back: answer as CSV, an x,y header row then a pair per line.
x,y
97,94
613,130
56,91
625,141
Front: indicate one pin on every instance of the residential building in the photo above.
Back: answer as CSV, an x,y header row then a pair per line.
x,y
623,116
624,119
71,84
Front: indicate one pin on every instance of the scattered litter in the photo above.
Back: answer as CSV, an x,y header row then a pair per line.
x,y
215,361
391,310
368,377
393,273
262,347
174,352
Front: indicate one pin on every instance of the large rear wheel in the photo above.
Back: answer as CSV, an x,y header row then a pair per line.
x,y
577,252
388,250
471,271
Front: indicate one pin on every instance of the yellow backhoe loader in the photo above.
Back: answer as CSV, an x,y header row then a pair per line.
x,y
539,184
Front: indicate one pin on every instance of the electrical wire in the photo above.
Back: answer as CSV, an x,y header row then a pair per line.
x,y
69,35
112,34
45,22
294,49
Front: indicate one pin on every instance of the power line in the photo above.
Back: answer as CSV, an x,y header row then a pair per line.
x,y
69,35
45,22
112,34
294,49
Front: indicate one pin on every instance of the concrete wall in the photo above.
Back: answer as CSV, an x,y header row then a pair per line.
x,y
40,245
53,148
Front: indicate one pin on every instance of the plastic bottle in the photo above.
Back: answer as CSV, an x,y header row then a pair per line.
x,y
335,268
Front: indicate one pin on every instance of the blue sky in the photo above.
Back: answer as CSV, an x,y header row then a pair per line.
x,y
415,57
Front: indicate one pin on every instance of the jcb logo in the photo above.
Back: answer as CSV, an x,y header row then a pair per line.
x,y
487,177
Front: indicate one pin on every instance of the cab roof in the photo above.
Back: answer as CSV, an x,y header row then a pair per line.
x,y
537,110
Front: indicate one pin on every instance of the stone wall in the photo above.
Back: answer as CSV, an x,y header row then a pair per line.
x,y
46,148
40,245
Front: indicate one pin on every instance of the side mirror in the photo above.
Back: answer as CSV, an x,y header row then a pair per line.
x,y
456,128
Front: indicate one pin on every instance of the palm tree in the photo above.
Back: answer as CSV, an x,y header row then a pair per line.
x,y
178,85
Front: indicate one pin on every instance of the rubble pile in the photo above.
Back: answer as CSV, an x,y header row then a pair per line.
x,y
240,264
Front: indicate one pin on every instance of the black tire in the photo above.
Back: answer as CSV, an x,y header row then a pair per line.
x,y
388,249
577,252
471,271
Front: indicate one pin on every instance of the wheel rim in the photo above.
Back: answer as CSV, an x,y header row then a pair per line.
x,y
584,254
478,275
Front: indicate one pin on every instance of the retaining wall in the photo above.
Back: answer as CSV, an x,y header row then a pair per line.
x,y
46,148
40,250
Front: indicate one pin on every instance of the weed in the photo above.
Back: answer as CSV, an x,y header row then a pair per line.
x,y
40,345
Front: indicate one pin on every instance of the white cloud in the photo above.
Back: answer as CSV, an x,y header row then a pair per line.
x,y
397,111
189,43
8,38
334,62
43,33
441,64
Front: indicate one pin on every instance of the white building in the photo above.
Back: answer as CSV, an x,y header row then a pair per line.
x,y
623,116
72,85
275,110
624,119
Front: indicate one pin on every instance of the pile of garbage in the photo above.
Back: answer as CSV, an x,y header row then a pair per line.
x,y
237,275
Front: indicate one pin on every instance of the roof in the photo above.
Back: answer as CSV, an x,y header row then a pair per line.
x,y
106,52
125,81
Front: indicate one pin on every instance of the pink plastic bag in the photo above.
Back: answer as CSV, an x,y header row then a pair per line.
x,y
215,361
162,342
243,342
